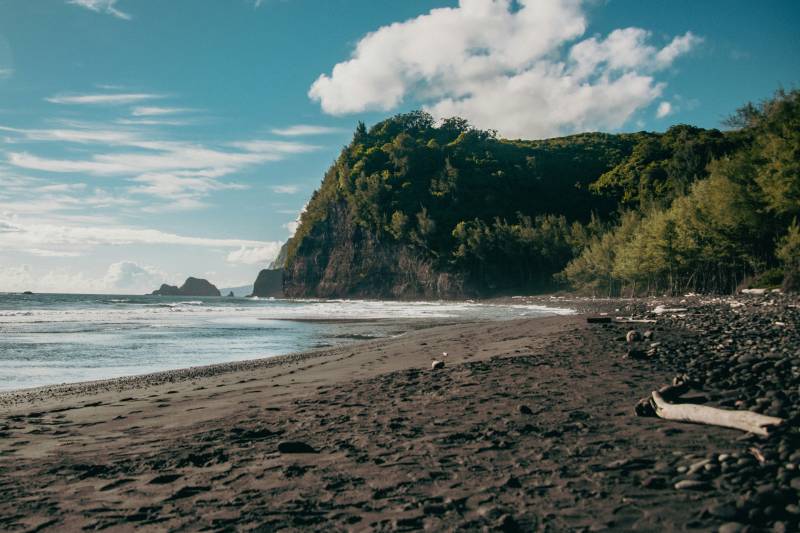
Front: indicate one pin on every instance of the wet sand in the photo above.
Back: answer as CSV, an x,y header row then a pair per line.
x,y
529,426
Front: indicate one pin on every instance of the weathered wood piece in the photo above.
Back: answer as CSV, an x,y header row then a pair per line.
x,y
700,414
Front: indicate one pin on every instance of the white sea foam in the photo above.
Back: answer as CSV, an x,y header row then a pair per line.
x,y
77,338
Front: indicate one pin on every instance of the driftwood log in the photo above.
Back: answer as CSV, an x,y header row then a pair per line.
x,y
700,414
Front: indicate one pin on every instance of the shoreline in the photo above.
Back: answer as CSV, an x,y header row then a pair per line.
x,y
57,392
529,426
327,332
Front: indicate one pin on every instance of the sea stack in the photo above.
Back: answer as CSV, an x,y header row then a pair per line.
x,y
191,287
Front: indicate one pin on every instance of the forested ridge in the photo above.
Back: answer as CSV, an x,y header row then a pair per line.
x,y
416,208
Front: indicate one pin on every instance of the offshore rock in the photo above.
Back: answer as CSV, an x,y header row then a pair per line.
x,y
191,287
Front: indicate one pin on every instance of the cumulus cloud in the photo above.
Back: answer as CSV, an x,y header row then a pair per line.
x,y
121,277
664,109
127,275
102,6
517,67
254,255
305,129
294,224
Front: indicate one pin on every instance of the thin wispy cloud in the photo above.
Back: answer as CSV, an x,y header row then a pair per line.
x,y
176,174
305,129
102,98
153,111
15,235
151,122
6,72
102,6
285,189
75,135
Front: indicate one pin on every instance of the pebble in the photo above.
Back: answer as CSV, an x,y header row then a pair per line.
x,y
725,511
633,336
738,359
731,527
295,447
691,484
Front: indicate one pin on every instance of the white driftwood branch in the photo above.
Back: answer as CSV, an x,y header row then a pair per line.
x,y
701,414
623,320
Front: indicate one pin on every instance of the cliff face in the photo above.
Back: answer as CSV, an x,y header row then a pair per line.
x,y
191,287
269,284
339,258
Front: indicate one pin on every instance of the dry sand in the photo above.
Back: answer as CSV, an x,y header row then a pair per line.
x,y
530,425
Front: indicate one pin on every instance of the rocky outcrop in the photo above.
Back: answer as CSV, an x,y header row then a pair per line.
x,y
339,258
269,284
191,287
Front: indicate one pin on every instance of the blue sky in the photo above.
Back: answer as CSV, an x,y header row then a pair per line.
x,y
142,141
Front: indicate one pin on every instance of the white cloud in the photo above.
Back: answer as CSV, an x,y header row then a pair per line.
x,y
123,276
24,236
6,72
102,99
253,255
151,122
76,135
150,111
102,6
177,172
285,189
664,109
276,147
305,129
292,226
511,66
60,188
678,46
127,276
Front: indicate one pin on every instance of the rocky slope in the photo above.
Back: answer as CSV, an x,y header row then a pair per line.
x,y
191,287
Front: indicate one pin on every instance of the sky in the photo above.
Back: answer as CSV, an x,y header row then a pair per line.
x,y
144,141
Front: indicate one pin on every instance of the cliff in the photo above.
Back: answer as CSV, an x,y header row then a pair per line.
x,y
269,284
339,258
191,287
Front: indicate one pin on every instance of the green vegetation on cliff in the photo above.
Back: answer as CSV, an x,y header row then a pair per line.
x,y
412,208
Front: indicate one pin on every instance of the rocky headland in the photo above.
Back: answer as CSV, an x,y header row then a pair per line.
x,y
269,283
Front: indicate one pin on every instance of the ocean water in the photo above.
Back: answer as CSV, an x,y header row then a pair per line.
x,y
48,339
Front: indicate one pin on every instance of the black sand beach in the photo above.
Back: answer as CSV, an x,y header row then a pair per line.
x,y
530,426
